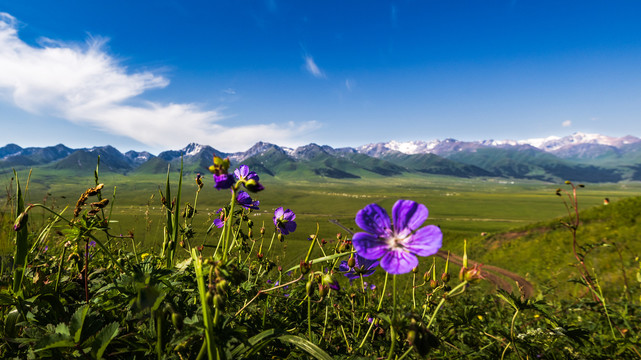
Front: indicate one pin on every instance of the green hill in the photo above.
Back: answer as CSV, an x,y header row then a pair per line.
x,y
607,238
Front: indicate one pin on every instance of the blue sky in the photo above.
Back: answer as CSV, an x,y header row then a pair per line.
x,y
156,75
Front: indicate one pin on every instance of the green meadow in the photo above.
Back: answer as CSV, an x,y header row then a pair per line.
x,y
472,209
78,289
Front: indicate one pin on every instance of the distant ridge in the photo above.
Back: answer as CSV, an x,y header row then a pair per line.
x,y
577,157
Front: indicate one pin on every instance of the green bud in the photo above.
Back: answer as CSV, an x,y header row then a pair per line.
x,y
177,320
219,302
323,290
222,286
309,288
351,262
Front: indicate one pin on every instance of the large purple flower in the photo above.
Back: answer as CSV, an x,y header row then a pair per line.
x,y
363,267
284,221
246,201
396,245
248,178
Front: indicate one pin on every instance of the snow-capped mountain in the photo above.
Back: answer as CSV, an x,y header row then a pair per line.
x,y
580,156
552,144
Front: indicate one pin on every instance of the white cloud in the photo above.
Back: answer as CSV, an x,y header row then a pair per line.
x,y
567,123
85,85
312,68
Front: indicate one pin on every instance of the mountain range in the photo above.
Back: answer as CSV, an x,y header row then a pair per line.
x,y
577,157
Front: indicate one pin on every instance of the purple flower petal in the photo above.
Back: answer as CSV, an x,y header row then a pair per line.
x,y
426,241
408,216
223,181
246,201
369,246
290,227
241,172
219,223
398,261
374,219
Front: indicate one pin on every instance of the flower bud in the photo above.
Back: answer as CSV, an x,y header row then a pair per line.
x,y
309,288
209,298
351,262
262,230
323,290
281,237
250,223
433,284
411,337
473,274
219,302
21,220
445,277
305,267
222,286
415,270
427,276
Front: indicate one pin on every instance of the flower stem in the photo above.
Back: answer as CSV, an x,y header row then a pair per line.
x,y
451,293
228,223
309,318
380,302
392,332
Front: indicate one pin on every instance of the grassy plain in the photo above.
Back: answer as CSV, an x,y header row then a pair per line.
x,y
463,208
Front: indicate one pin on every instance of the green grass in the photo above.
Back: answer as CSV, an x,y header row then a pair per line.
x,y
463,208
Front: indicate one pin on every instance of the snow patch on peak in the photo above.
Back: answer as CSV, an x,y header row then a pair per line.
x,y
193,149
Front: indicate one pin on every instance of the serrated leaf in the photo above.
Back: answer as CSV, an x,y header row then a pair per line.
x,y
77,321
103,339
62,329
54,341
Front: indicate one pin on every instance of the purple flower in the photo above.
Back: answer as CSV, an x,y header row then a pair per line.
x,y
284,220
92,244
396,245
363,267
219,222
223,181
246,201
248,178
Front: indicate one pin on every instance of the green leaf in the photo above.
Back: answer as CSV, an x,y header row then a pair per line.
x,y
255,342
55,340
103,339
6,298
77,321
62,329
10,328
306,346
321,259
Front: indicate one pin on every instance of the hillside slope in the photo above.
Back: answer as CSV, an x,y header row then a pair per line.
x,y
607,238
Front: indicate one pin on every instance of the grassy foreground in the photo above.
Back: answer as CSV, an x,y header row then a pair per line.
x,y
80,286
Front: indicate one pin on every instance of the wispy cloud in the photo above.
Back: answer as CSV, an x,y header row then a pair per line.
x,y
86,85
312,68
567,123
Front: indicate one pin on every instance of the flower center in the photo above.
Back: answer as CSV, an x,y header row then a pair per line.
x,y
396,241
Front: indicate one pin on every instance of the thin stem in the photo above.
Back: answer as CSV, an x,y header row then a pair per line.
x,y
392,332
380,302
309,318
460,286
